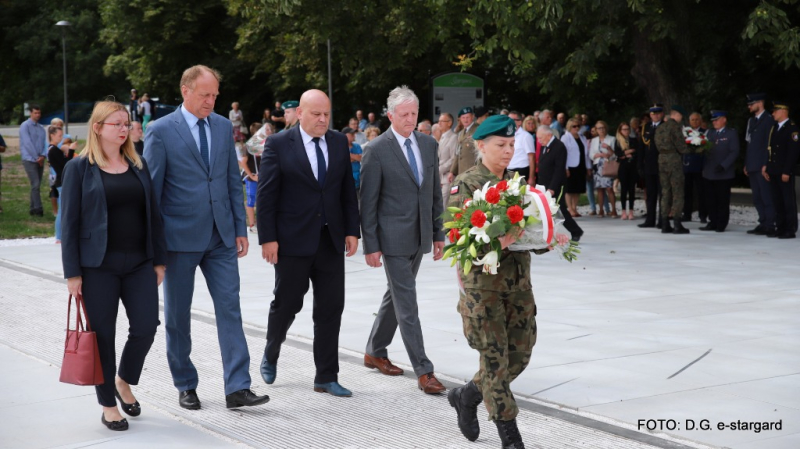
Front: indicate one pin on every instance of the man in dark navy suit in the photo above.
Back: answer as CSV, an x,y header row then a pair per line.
x,y
757,137
307,217
553,173
718,171
783,151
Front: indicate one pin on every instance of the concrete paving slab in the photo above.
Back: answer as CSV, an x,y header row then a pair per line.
x,y
635,298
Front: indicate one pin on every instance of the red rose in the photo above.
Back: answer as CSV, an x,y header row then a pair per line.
x,y
515,214
459,215
454,235
502,185
492,196
478,219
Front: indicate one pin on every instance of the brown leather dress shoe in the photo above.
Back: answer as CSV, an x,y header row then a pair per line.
x,y
430,385
382,364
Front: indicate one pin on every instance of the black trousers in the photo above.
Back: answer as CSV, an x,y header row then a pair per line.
x,y
131,278
325,269
695,185
652,185
627,184
785,204
718,198
569,222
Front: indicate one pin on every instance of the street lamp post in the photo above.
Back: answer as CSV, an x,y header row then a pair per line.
x,y
64,24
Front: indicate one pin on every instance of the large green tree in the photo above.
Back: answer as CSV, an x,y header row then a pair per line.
x,y
31,58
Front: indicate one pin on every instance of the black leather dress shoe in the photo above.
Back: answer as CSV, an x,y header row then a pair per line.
x,y
120,425
646,225
787,236
707,227
189,400
771,234
757,231
244,398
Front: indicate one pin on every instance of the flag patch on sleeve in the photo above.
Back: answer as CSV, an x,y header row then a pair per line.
x,y
453,190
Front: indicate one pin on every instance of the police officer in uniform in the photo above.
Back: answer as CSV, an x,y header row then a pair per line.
x,y
718,171
465,152
648,165
757,137
498,311
782,158
671,148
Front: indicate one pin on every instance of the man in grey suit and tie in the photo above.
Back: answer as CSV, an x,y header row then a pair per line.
x,y
401,208
196,181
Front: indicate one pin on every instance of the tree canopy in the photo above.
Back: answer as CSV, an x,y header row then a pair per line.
x,y
604,57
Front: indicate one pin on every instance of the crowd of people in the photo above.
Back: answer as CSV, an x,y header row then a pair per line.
x,y
310,193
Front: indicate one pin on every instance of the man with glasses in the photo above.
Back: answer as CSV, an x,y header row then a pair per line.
x,y
448,143
524,150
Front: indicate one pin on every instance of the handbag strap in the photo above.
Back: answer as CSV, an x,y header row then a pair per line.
x,y
80,306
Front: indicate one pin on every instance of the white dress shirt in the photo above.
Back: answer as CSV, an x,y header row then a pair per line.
x,y
194,128
311,150
523,145
414,147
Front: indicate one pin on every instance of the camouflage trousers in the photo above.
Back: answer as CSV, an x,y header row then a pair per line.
x,y
670,172
501,326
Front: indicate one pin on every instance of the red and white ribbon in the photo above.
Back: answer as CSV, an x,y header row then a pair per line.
x,y
544,209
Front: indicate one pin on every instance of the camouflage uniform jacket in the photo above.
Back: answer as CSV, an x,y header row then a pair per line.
x,y
465,151
514,271
670,139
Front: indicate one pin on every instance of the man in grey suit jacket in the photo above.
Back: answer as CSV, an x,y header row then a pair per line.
x,y
196,182
401,208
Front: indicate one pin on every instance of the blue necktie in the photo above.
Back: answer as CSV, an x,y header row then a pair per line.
x,y
204,143
412,160
321,169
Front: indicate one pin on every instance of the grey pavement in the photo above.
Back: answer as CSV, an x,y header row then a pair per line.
x,y
643,326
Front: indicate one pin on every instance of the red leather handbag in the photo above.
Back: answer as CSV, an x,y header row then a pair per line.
x,y
81,365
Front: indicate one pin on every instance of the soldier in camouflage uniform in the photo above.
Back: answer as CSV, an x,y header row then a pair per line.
x,y
498,311
671,145
290,112
465,151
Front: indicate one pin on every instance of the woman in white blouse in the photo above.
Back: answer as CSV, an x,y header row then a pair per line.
x,y
578,165
601,149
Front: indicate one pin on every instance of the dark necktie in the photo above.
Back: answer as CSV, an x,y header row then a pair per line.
x,y
203,143
412,160
321,169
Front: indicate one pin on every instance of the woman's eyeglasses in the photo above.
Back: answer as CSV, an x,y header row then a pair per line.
x,y
119,126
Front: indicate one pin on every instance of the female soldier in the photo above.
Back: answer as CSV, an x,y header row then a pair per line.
x,y
498,311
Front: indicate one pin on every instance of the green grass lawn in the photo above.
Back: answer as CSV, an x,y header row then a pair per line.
x,y
15,221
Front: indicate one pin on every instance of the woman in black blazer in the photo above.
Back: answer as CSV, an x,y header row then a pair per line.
x,y
113,248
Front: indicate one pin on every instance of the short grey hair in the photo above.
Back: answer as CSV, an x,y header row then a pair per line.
x,y
400,95
548,112
424,124
545,128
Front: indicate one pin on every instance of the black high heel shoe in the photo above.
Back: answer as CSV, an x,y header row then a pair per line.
x,y
131,409
114,425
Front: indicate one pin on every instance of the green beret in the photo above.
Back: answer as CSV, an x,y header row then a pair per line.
x,y
467,110
496,125
290,104
679,109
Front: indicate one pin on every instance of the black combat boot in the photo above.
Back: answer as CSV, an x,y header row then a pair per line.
x,y
666,228
465,400
679,229
509,434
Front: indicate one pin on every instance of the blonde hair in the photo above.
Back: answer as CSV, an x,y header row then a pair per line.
x,y
191,74
529,119
372,130
93,150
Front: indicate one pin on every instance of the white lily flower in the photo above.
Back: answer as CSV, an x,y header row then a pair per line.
x,y
480,194
513,186
490,262
480,233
